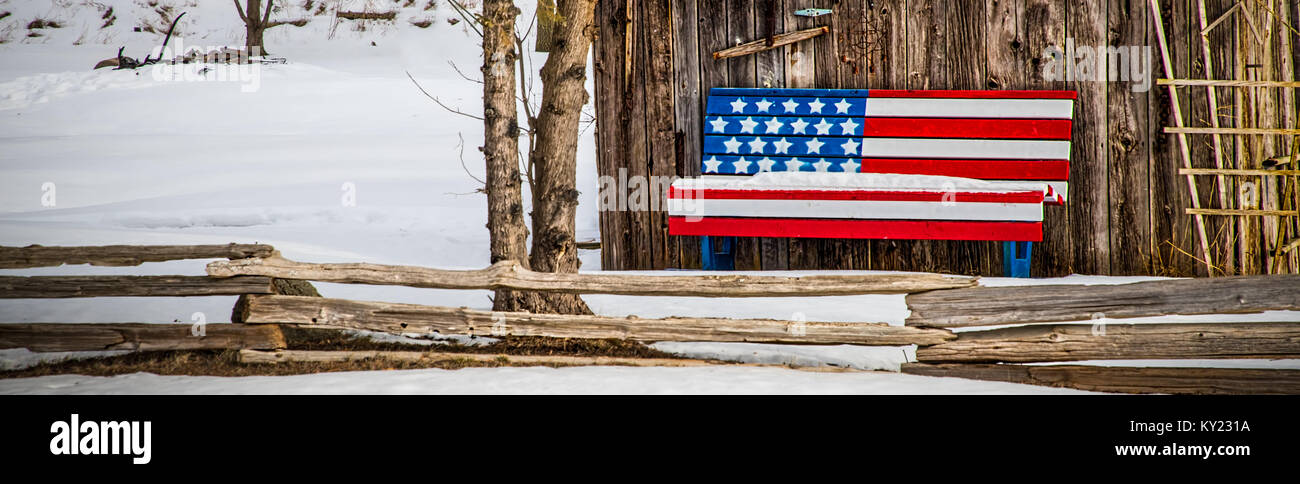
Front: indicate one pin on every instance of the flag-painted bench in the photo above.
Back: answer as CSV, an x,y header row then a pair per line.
x,y
877,164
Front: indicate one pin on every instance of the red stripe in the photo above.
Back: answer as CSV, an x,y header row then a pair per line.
x,y
981,169
855,195
856,229
1048,129
972,94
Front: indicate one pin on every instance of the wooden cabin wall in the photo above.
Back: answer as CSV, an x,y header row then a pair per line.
x,y
653,69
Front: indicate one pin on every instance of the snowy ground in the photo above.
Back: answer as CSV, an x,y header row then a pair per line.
x,y
123,157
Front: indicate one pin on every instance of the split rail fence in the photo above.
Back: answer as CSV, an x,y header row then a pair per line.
x,y
947,313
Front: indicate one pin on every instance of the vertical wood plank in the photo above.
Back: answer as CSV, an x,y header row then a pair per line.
x,y
800,72
893,74
612,121
967,65
1090,220
638,167
774,253
1127,143
660,115
1045,29
1007,69
688,109
743,72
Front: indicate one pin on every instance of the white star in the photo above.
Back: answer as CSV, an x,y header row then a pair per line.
x,y
757,145
850,165
763,105
848,127
814,146
823,127
738,105
850,147
774,125
798,126
741,165
747,125
711,164
719,124
842,106
790,105
793,164
816,106
733,146
765,164
782,146
822,165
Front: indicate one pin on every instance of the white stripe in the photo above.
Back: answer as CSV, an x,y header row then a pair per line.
x,y
857,209
970,108
965,148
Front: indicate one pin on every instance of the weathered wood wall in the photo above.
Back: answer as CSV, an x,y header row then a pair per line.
x,y
653,69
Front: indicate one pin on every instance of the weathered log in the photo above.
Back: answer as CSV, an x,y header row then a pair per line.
x,y
368,15
509,275
1073,342
281,356
123,255
1196,381
14,287
761,45
45,337
984,306
413,318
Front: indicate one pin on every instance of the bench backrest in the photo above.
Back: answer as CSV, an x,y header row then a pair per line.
x,y
987,135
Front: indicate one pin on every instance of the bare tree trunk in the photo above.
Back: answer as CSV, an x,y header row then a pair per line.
x,y
256,21
507,232
555,157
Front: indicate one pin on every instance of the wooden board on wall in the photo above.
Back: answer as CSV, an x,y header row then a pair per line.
x,y
611,127
688,105
1128,132
1089,222
658,34
1045,29
800,71
774,253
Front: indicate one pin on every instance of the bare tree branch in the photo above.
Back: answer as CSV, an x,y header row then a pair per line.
x,y
266,16
466,15
436,100
241,11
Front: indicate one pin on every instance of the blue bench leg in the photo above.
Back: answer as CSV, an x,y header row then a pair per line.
x,y
1015,258
716,253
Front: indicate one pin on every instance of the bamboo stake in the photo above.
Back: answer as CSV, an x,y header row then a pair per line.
x,y
1236,172
1182,138
1240,212
1225,83
1234,131
1214,121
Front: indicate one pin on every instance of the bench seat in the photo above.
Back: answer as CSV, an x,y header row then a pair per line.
x,y
877,164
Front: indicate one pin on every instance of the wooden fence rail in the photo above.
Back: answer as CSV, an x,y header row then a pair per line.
x,y
44,337
1074,342
1199,381
987,306
12,287
413,318
123,255
509,275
